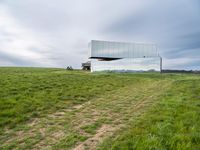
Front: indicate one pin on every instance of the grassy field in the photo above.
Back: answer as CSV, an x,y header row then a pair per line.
x,y
59,109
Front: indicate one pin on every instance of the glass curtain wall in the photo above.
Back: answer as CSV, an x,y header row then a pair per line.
x,y
120,56
127,65
122,50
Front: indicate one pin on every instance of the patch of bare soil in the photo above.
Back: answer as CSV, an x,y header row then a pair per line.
x,y
81,105
91,143
33,122
57,115
42,131
78,106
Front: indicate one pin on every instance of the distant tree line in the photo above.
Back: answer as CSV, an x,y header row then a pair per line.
x,y
181,71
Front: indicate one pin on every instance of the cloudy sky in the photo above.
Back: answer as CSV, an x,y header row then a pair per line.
x,y
55,33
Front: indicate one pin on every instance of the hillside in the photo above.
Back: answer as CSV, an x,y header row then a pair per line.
x,y
59,109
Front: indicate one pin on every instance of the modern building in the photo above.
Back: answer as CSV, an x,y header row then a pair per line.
x,y
124,57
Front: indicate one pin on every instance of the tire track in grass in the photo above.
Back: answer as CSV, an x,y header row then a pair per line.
x,y
84,126
108,129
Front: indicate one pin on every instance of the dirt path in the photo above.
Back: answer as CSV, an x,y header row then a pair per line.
x,y
84,126
128,110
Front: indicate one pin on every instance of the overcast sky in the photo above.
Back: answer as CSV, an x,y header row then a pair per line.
x,y
55,33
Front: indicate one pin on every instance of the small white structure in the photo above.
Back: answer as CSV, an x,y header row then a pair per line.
x,y
121,56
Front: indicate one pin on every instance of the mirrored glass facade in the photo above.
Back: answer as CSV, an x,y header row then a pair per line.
x,y
127,65
122,50
119,56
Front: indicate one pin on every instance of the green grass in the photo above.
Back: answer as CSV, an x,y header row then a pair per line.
x,y
58,109
173,123
91,128
32,92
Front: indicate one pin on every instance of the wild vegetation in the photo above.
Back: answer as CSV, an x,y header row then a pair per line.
x,y
61,109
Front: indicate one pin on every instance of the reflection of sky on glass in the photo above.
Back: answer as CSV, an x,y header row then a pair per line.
x,y
127,64
122,50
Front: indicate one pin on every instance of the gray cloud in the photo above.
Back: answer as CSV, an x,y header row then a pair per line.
x,y
56,33
15,60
